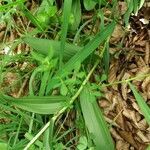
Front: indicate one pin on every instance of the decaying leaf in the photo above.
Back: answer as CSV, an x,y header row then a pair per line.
x,y
124,86
117,34
147,53
122,145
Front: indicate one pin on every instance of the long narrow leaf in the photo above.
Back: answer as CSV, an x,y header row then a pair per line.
x,y
39,104
106,58
95,122
145,109
32,18
66,15
45,46
76,12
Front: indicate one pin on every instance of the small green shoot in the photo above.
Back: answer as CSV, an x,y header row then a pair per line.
x,y
145,109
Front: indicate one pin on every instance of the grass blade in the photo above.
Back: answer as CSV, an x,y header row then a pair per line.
x,y
66,15
39,104
33,19
94,121
106,58
76,12
142,104
128,12
81,55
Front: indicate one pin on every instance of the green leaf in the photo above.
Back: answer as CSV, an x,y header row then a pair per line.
x,y
29,137
148,148
94,121
3,146
66,15
83,143
63,89
89,4
141,3
76,11
101,16
145,109
106,58
11,4
128,12
39,104
32,18
45,46
81,55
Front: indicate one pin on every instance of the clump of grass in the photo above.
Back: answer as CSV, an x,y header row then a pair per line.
x,y
58,71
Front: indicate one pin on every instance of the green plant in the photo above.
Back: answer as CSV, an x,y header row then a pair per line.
x,y
65,51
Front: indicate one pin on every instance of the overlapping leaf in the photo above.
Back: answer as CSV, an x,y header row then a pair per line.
x,y
39,104
45,46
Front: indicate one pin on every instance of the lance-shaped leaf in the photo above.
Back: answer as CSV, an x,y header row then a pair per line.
x,y
66,16
39,104
81,55
76,12
45,47
95,122
145,109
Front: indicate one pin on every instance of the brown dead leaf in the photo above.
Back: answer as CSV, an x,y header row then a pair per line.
x,y
145,83
143,137
2,26
119,118
115,134
142,71
1,35
140,43
148,91
113,71
104,103
128,136
122,7
124,89
112,122
147,53
117,34
11,80
142,124
140,62
122,145
130,114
